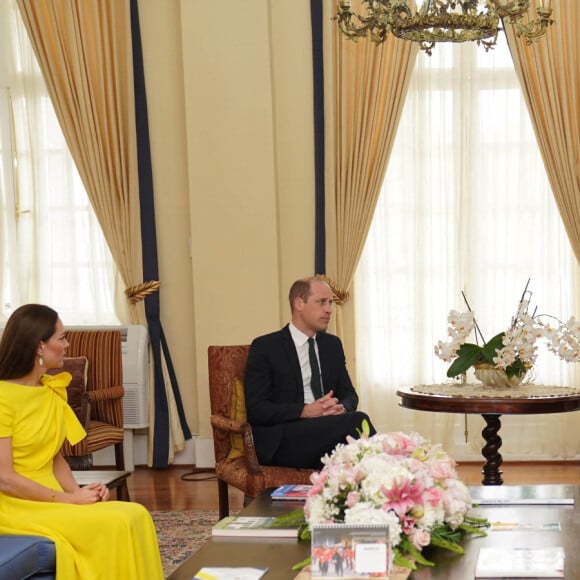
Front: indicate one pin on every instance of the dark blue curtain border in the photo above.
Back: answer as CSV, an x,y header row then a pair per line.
x,y
150,262
316,13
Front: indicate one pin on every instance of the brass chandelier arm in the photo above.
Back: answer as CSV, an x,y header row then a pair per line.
x,y
512,8
534,29
379,22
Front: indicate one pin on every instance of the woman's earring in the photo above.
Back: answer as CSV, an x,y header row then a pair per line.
x,y
41,361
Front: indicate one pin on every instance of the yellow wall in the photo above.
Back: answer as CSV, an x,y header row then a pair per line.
x,y
229,87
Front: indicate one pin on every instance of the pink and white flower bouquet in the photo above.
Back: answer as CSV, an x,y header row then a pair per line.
x,y
397,479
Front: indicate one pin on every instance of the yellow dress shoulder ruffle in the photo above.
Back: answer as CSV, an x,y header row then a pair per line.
x,y
58,384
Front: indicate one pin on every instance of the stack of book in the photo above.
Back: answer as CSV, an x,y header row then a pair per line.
x,y
291,492
253,527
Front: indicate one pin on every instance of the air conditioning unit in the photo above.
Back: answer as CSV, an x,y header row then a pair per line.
x,y
135,351
135,347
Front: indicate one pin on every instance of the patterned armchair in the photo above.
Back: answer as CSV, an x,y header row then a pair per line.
x,y
235,456
104,389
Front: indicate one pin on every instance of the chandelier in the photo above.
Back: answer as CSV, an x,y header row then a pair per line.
x,y
443,20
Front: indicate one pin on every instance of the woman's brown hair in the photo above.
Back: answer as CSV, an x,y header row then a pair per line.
x,y
28,326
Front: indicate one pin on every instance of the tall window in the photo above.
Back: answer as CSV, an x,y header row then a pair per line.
x,y
465,206
52,249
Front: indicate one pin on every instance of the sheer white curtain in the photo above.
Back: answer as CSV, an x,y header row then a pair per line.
x,y
51,248
465,206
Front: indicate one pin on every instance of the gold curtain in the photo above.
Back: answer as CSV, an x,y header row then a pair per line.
x,y
549,72
84,49
85,53
365,92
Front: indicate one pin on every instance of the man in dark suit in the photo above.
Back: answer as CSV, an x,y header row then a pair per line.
x,y
300,400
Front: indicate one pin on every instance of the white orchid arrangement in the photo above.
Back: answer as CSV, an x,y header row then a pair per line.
x,y
515,349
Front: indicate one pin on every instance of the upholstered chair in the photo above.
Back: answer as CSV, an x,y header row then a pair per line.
x,y
236,462
103,416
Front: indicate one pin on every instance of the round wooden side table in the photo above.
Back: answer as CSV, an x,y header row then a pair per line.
x,y
491,403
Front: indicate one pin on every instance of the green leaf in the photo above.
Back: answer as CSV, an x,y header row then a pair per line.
x,y
473,530
516,369
411,553
490,347
400,560
293,518
475,521
418,557
467,355
299,565
448,545
365,429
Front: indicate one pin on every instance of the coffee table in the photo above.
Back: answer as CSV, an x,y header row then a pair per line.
x,y
280,554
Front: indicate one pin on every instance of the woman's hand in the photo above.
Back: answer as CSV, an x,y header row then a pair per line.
x,y
101,489
91,493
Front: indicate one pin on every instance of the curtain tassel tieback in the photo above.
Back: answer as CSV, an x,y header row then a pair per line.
x,y
340,296
140,291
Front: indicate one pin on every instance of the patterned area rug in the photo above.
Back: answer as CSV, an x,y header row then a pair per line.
x,y
181,533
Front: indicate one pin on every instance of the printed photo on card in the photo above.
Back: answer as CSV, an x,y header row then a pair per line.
x,y
352,551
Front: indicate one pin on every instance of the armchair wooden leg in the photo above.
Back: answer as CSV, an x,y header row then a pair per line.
x,y
123,492
122,489
119,457
224,502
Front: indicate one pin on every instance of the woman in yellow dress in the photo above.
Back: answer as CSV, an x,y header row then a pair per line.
x,y
94,538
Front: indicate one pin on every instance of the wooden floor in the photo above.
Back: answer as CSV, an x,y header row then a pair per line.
x,y
184,488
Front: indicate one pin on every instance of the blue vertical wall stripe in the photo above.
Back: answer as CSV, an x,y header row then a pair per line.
x,y
319,160
161,440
